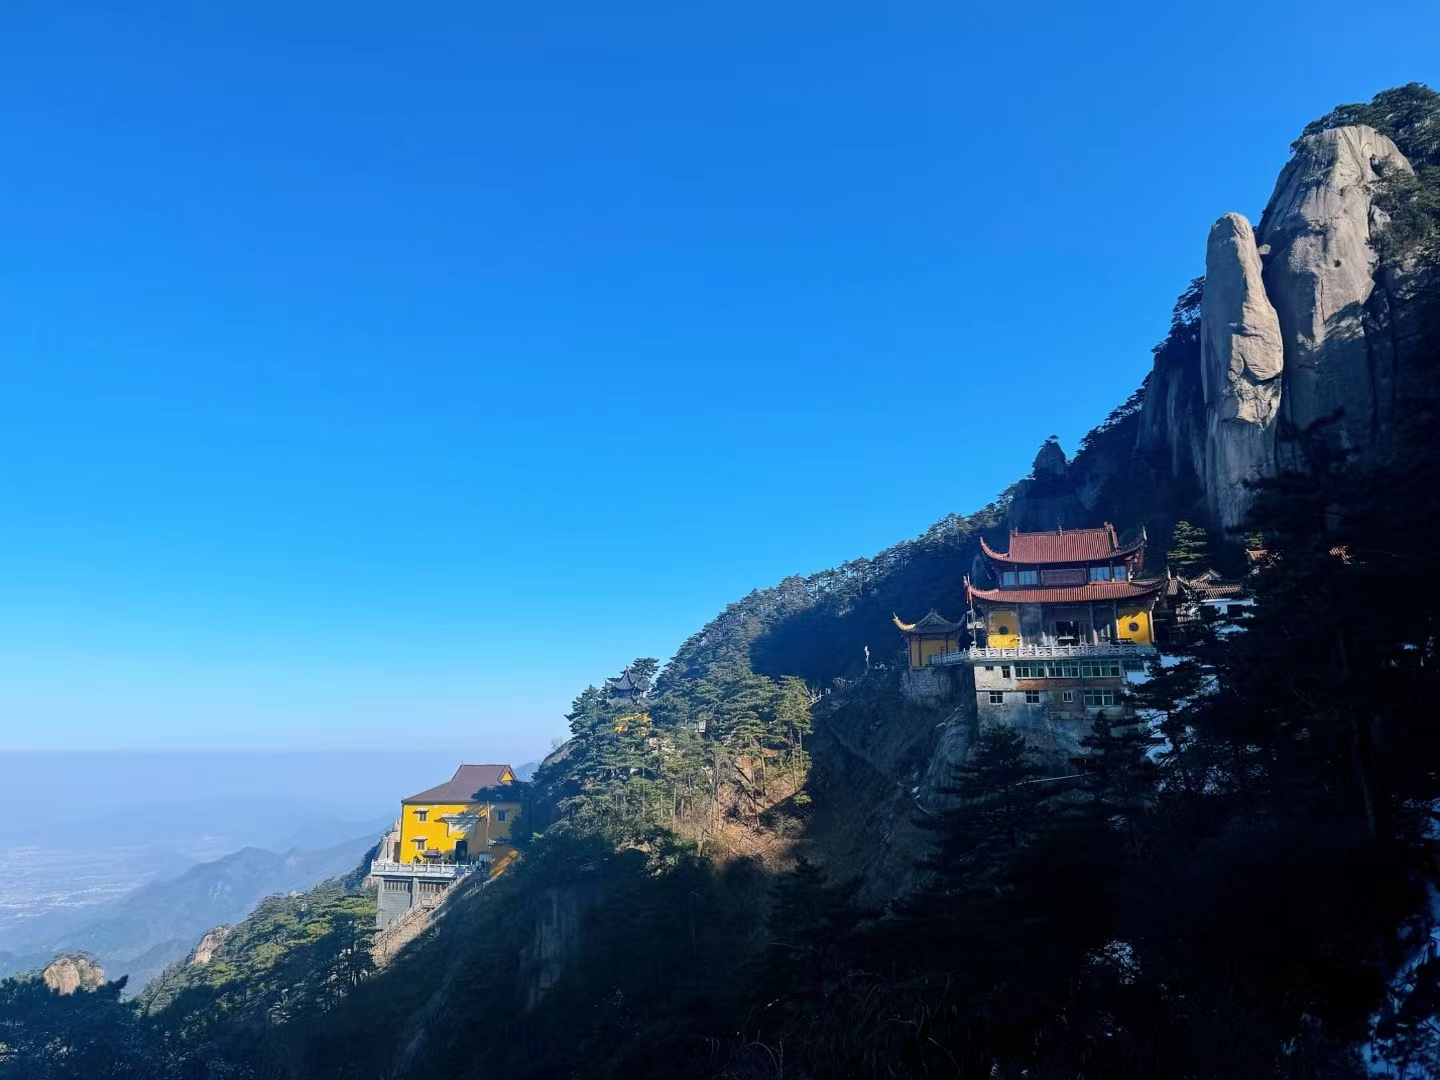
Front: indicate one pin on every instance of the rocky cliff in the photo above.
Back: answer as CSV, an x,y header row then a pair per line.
x,y
1299,321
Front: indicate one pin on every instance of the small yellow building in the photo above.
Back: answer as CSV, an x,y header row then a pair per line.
x,y
934,635
466,819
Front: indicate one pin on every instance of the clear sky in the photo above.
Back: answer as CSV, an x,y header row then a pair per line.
x,y
378,375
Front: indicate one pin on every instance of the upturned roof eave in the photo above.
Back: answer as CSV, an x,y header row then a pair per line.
x,y
931,623
1069,594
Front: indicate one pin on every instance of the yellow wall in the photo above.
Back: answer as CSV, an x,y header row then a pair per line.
x,y
441,836
1141,618
1007,618
923,646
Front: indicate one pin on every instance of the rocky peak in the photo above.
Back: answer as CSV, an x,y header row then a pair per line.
x,y
1050,462
1047,498
1320,273
1297,323
1241,361
72,971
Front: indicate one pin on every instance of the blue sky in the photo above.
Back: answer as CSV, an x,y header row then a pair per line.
x,y
378,376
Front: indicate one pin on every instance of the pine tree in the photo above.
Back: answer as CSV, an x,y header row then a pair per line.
x,y
812,943
1122,778
1189,549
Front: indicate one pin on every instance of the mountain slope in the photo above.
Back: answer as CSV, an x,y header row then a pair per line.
x,y
142,932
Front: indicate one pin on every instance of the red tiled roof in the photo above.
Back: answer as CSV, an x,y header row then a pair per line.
x,y
1063,546
461,787
1069,594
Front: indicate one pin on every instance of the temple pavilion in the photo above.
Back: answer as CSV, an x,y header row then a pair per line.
x,y
1066,588
934,635
1060,621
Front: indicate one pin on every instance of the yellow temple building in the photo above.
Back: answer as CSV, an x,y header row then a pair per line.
x,y
444,833
929,637
1061,622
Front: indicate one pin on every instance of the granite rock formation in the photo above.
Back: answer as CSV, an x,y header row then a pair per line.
x,y
1298,322
72,971
1047,499
205,950
1241,361
1320,274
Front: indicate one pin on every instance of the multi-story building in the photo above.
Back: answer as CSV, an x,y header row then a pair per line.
x,y
445,833
1061,621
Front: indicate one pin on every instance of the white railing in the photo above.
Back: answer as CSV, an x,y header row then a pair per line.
x,y
1107,651
445,871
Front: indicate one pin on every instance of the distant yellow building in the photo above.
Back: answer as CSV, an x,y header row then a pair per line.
x,y
444,833
460,820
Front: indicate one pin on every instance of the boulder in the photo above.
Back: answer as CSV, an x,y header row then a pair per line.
x,y
1320,273
1241,361
72,971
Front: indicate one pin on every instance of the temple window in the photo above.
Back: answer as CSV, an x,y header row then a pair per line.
x,y
1007,577
1029,577
1121,572
1099,573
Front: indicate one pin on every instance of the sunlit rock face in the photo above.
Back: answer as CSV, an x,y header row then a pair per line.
x,y
69,973
1241,361
1298,322
205,950
1319,228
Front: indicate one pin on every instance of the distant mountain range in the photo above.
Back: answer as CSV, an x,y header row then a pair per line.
x,y
139,933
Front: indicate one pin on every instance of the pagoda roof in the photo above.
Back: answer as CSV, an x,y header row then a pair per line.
x,y
462,787
627,683
932,623
1212,586
1064,546
1070,594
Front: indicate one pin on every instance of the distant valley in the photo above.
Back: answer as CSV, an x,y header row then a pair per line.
x,y
167,846
139,931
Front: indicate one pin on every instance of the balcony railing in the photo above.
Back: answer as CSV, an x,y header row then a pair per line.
x,y
1108,651
427,868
